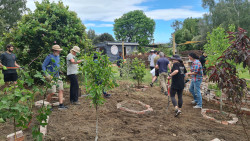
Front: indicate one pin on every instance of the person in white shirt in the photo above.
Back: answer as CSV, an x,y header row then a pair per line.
x,y
72,70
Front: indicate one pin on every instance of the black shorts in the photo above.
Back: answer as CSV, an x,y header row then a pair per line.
x,y
156,72
10,77
152,68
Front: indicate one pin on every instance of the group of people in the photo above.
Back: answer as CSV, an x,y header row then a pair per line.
x,y
158,61
51,69
177,73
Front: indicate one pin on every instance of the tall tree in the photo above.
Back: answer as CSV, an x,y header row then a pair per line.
x,y
103,37
51,23
91,34
134,26
226,12
177,25
11,11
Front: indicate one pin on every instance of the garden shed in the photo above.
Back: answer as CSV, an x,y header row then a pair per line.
x,y
112,49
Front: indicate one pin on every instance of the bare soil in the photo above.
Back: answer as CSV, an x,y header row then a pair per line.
x,y
220,116
78,123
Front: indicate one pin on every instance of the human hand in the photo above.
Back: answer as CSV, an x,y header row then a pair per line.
x,y
169,77
48,77
4,68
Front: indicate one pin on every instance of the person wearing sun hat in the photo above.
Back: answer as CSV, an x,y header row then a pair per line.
x,y
51,67
177,84
72,71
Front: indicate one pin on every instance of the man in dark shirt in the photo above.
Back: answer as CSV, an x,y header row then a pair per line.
x,y
9,65
163,65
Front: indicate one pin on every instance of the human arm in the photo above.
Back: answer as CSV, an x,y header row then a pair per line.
x,y
75,62
169,67
17,65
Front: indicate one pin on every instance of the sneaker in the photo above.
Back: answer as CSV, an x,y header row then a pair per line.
x,y
197,107
166,93
178,113
106,95
193,102
176,110
62,107
76,103
151,84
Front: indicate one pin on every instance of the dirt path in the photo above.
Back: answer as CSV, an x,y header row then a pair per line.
x,y
78,123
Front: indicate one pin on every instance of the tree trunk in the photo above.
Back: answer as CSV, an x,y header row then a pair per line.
x,y
96,137
221,102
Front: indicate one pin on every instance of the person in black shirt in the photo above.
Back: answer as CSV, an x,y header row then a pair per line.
x,y
177,74
8,60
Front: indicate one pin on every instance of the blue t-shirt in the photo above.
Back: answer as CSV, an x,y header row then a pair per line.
x,y
52,67
163,64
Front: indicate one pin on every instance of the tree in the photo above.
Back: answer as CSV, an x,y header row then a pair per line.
x,y
103,37
91,34
100,77
188,32
226,12
11,11
217,43
225,74
177,25
138,70
51,23
134,26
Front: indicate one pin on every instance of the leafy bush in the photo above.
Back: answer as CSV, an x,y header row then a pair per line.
x,y
138,70
51,23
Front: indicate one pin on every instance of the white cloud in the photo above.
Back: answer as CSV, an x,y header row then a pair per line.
x,y
97,25
171,14
108,10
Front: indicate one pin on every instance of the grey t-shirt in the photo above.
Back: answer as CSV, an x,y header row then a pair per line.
x,y
71,68
8,60
152,64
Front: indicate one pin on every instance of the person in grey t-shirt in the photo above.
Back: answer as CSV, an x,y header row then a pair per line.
x,y
72,70
8,60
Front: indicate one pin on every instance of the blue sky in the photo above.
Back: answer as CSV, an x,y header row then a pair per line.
x,y
100,14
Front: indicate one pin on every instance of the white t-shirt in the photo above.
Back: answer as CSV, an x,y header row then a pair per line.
x,y
71,68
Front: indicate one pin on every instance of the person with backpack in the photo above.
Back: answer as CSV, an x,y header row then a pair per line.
x,y
51,67
177,84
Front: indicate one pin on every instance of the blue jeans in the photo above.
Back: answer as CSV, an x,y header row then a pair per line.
x,y
195,90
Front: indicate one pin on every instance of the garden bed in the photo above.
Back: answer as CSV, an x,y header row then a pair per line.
x,y
78,122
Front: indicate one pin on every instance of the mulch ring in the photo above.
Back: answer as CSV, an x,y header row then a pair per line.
x,y
134,106
215,115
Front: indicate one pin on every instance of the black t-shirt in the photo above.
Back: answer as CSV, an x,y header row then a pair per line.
x,y
8,60
178,79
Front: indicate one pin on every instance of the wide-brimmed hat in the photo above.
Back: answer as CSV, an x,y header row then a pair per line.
x,y
76,49
176,57
56,47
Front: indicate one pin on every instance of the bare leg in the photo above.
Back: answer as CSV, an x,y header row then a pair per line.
x,y
60,96
154,78
49,97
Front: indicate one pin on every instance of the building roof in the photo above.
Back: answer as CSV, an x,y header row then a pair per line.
x,y
118,43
